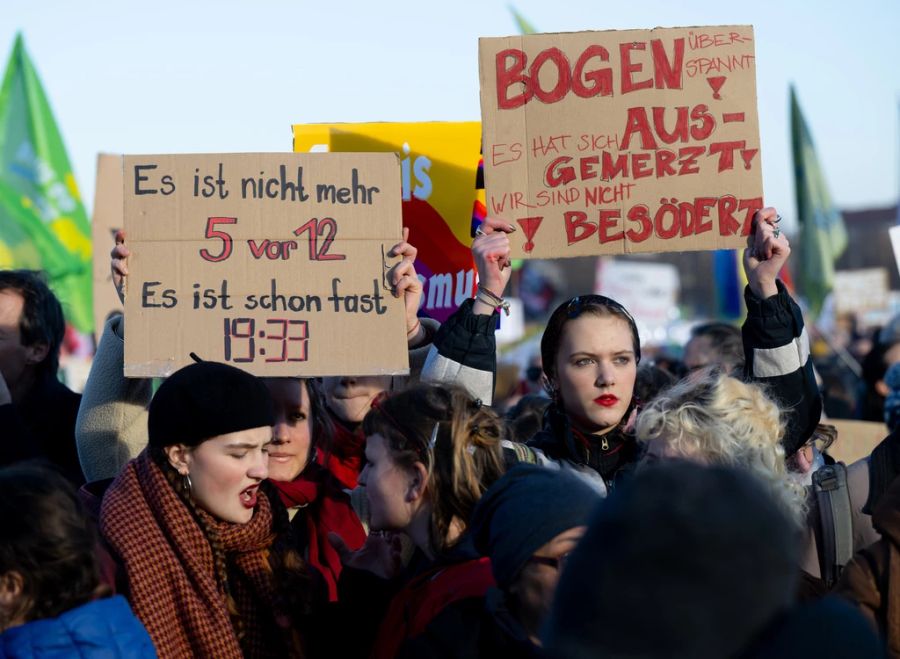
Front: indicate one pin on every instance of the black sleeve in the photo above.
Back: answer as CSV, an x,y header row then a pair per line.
x,y
454,632
17,443
464,352
776,347
347,628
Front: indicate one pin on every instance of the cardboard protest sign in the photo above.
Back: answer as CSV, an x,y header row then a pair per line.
x,y
274,263
622,141
107,219
439,165
856,439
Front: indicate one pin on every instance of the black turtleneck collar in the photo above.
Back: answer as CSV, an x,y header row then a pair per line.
x,y
607,454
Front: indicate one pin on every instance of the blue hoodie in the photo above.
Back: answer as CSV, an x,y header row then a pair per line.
x,y
103,628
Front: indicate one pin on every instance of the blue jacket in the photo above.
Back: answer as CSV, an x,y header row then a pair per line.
x,y
103,628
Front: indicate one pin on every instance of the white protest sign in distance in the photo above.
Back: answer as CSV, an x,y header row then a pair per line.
x,y
622,141
274,263
648,290
859,291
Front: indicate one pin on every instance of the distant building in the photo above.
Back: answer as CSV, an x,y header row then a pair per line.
x,y
868,244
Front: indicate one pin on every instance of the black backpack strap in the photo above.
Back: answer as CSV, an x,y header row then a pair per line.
x,y
833,499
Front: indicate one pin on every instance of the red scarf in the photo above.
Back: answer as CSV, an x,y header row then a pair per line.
x,y
327,509
172,582
347,456
424,597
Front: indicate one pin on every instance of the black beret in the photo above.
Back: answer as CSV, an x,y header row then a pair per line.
x,y
206,400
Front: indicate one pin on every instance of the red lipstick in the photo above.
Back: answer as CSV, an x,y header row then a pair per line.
x,y
606,400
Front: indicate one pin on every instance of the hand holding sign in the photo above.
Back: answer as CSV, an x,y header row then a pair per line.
x,y
622,141
272,262
767,251
491,250
405,282
119,265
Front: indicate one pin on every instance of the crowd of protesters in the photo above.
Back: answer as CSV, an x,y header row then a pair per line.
x,y
630,509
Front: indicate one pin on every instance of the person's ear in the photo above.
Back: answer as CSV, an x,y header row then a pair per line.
x,y
180,457
418,482
12,587
36,353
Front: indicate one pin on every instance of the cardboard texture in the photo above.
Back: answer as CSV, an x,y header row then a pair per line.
x,y
622,141
439,164
107,220
856,439
271,262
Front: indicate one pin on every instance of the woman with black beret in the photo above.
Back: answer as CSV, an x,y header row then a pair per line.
x,y
209,564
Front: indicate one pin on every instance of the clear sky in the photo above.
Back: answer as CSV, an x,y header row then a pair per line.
x,y
226,76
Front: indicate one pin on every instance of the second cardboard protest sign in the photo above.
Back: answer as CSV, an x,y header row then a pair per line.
x,y
271,262
622,141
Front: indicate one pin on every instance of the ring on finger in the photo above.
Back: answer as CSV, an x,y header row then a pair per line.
x,y
777,232
479,232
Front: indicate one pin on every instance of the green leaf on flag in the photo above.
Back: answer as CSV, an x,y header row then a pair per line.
x,y
524,26
823,236
43,224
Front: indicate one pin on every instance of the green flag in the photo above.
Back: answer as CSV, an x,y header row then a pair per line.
x,y
823,237
43,224
524,26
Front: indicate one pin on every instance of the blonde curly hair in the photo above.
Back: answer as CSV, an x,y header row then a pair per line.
x,y
724,421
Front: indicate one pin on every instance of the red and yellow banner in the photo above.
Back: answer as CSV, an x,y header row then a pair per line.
x,y
439,164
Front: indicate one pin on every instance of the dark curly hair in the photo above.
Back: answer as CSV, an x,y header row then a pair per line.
x,y
49,540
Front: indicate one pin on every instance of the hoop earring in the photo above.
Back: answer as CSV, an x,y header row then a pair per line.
x,y
186,483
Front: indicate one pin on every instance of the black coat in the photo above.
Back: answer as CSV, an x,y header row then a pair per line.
x,y
475,627
612,455
42,426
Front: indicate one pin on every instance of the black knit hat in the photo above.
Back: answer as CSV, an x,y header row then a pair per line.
x,y
681,561
206,400
523,511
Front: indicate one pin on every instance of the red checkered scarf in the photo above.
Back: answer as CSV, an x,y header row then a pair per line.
x,y
171,573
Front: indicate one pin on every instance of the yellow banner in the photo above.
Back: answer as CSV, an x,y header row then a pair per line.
x,y
440,171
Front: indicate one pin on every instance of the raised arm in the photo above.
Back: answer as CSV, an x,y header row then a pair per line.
x,y
112,420
464,351
776,344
